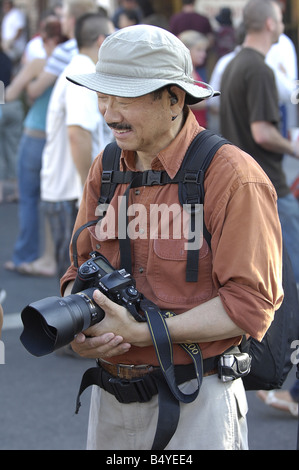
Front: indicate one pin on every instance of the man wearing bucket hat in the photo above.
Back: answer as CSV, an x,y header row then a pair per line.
x,y
144,83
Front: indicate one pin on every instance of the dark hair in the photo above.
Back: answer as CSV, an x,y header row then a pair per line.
x,y
89,27
51,27
132,15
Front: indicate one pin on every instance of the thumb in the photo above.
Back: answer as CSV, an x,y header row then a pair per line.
x,y
103,301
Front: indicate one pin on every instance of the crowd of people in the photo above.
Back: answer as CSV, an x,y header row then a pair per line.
x,y
51,131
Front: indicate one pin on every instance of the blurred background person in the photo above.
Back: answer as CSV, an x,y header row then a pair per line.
x,y
63,53
27,246
11,126
75,134
127,5
128,18
189,19
225,35
197,44
13,32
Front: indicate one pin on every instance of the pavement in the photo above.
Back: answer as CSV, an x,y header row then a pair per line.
x,y
38,395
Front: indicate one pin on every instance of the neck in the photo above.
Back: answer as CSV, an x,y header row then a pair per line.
x,y
258,41
144,159
91,52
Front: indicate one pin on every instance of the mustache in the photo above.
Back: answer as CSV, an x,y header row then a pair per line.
x,y
119,127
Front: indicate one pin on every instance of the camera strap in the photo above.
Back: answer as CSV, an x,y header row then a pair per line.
x,y
169,392
164,350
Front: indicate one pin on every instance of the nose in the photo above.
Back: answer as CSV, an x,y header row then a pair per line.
x,y
109,110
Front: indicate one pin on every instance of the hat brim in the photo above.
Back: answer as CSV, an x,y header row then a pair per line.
x,y
131,87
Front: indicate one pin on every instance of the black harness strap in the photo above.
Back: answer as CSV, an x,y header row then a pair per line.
x,y
190,179
191,190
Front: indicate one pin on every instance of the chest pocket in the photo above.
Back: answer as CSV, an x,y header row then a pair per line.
x,y
169,262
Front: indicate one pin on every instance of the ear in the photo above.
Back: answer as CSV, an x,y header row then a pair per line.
x,y
270,24
100,40
177,98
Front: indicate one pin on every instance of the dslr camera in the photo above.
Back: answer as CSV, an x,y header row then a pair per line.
x,y
53,322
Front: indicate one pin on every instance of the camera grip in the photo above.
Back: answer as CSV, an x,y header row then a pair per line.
x,y
78,285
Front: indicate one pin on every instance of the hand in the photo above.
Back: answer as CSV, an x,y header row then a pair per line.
x,y
106,338
106,345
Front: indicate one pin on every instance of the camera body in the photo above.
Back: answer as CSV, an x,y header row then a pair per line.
x,y
117,285
54,322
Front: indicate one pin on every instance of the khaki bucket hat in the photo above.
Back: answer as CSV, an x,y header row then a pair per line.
x,y
138,60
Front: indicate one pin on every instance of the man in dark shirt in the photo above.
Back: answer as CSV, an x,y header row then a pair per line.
x,y
249,111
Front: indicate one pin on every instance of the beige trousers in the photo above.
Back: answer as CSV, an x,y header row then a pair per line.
x,y
216,420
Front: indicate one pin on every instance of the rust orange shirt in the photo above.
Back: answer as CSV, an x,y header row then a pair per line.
x,y
243,266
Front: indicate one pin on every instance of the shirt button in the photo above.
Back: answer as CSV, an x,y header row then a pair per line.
x,y
141,270
98,246
137,192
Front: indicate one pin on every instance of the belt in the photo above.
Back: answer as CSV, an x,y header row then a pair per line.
x,y
131,371
139,383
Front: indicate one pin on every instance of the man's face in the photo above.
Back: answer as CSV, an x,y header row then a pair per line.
x,y
140,124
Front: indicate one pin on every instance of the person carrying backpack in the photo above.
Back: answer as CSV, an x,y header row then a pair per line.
x,y
144,86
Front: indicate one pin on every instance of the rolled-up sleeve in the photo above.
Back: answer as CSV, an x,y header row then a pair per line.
x,y
247,247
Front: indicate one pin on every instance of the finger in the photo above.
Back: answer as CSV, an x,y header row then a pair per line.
x,y
103,301
80,338
107,345
115,347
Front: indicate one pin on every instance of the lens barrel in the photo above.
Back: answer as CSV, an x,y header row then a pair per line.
x,y
53,322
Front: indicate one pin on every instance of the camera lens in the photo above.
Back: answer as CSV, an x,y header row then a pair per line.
x,y
53,322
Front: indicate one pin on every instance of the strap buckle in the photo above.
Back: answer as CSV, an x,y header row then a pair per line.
x,y
151,178
194,177
107,176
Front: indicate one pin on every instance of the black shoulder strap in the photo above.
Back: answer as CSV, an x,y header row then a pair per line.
x,y
110,164
191,189
190,179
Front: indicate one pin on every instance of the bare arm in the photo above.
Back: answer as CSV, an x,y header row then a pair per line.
x,y
81,149
40,84
267,136
207,322
28,73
